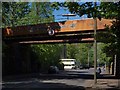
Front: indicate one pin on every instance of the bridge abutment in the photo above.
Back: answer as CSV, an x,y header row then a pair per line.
x,y
16,59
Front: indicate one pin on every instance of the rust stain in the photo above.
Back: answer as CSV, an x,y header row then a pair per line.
x,y
82,25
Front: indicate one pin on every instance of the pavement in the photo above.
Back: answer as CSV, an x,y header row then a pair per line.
x,y
103,84
60,81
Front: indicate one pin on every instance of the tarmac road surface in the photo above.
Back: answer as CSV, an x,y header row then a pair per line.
x,y
70,79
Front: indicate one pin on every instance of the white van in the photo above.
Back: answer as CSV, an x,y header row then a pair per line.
x,y
69,63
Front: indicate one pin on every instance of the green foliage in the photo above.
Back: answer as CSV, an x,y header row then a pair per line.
x,y
72,50
40,12
13,11
22,13
106,37
111,10
80,52
47,54
101,53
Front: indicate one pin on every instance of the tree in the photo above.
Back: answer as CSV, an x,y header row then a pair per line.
x,y
40,12
112,10
12,12
47,55
102,56
80,52
20,57
72,50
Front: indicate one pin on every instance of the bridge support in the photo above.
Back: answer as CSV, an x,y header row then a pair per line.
x,y
11,59
16,59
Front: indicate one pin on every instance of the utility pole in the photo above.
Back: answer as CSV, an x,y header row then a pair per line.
x,y
95,44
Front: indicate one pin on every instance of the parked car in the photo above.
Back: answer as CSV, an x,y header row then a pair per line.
x,y
53,70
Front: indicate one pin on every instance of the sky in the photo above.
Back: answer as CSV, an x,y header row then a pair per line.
x,y
58,15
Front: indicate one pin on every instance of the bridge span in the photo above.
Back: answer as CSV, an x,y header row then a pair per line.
x,y
71,31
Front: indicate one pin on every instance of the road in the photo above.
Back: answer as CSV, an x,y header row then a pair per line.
x,y
79,79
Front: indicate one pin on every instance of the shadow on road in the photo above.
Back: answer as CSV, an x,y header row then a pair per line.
x,y
33,85
39,81
64,75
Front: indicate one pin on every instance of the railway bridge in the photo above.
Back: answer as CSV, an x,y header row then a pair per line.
x,y
71,31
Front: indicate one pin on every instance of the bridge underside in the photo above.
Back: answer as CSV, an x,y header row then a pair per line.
x,y
74,37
